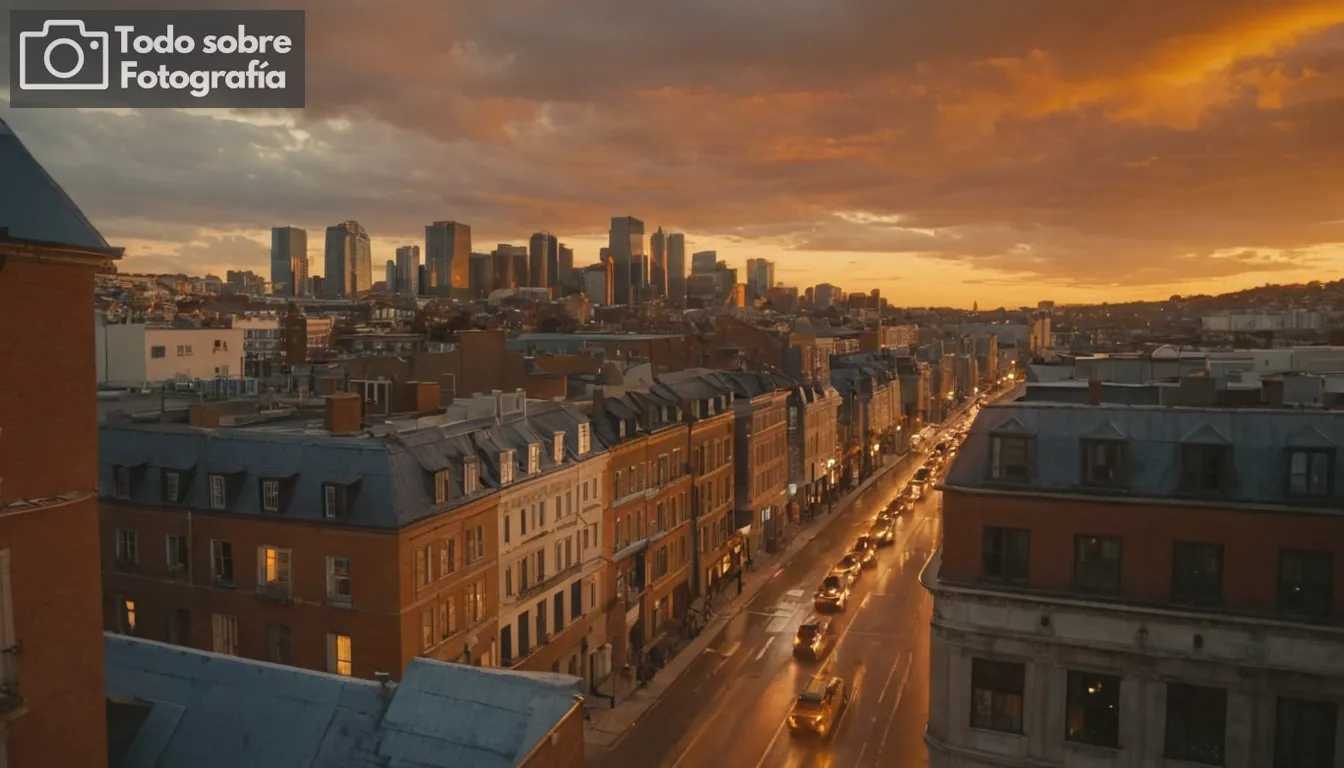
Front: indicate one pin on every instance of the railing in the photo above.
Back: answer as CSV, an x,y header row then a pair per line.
x,y
550,581
276,591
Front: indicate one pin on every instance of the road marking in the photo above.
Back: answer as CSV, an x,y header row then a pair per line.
x,y
731,650
890,677
765,648
796,594
766,754
777,625
895,707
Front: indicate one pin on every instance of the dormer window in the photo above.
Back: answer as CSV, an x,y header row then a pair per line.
x,y
558,448
471,476
1205,469
1104,463
620,429
1311,473
585,439
1010,458
270,496
122,479
533,459
172,487
218,492
506,462
441,480
335,501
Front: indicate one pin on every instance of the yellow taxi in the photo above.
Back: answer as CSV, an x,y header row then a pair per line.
x,y
818,708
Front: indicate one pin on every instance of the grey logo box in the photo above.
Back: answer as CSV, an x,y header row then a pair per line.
x,y
174,59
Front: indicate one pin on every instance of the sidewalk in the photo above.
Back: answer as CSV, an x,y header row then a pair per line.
x,y
607,725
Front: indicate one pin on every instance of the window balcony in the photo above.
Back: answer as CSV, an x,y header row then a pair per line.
x,y
276,591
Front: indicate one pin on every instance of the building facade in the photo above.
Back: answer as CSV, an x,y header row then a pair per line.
x,y
676,269
448,259
408,271
349,261
1139,586
289,261
626,244
139,355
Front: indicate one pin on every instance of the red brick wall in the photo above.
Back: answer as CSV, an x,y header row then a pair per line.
x,y
48,446
1251,541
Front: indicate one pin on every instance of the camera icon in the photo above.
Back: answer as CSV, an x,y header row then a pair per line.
x,y
40,71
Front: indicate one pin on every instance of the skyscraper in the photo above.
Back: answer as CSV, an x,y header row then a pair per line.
x,y
448,255
566,261
289,261
390,276
658,263
704,262
349,261
543,260
408,270
760,277
626,241
480,275
676,269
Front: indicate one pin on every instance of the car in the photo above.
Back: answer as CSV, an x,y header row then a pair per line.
x,y
813,639
883,532
921,477
914,491
819,707
850,565
866,550
833,593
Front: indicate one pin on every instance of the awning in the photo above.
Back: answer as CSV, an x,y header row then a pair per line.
x,y
630,549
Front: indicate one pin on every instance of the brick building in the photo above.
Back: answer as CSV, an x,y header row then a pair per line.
x,y
1140,585
52,702
760,403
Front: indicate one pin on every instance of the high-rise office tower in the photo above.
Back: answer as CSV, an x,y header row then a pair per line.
x,y
760,277
390,276
566,264
448,255
408,270
658,263
676,269
349,261
543,260
704,262
626,241
289,261
826,295
501,267
480,276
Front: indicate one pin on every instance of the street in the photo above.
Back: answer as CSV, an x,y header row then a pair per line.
x,y
729,707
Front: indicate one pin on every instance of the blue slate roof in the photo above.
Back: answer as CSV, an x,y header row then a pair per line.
x,y
390,478
32,205
213,711
1260,441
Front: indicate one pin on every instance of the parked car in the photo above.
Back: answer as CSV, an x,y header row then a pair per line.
x,y
866,550
833,594
814,639
883,532
819,707
850,565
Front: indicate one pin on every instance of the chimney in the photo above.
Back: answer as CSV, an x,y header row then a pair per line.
x,y
1094,391
344,414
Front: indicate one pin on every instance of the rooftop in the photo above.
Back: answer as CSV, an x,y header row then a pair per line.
x,y
33,206
175,707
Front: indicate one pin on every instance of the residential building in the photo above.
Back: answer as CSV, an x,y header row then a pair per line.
x,y
626,244
1139,585
408,270
658,263
52,700
138,355
263,340
289,261
322,544
349,261
760,403
221,710
650,515
676,269
448,256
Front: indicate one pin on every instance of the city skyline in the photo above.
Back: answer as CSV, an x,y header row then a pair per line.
x,y
1008,162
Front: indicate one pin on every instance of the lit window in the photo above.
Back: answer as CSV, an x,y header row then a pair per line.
x,y
340,655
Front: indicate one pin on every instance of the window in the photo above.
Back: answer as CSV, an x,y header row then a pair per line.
x,y
224,631
126,616
575,600
335,501
506,462
533,459
1196,723
558,614
1204,468
558,448
476,602
179,626
221,562
421,569
508,581
122,482
172,487
1092,713
1306,582
1096,564
128,547
616,486
338,580
158,351
475,543
471,476
1304,734
441,479
278,644
270,495
218,498
448,557
1006,553
585,438
1310,473
176,555
996,695
541,622
448,617
273,571
1010,458
1104,463
1197,573
340,655
428,637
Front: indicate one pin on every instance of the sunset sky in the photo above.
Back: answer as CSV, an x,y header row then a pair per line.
x,y
945,151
